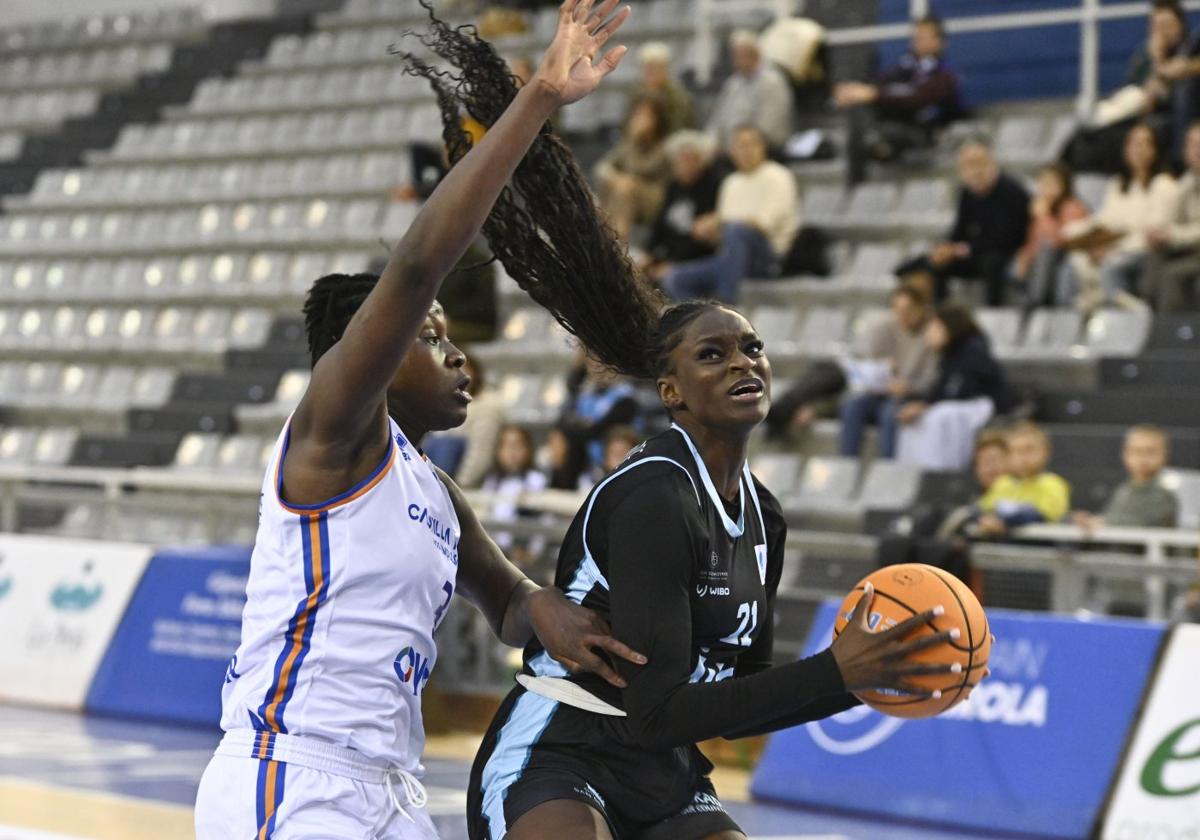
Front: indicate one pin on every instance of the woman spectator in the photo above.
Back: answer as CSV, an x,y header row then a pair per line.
x,y
690,205
1053,208
512,475
1113,248
938,428
632,178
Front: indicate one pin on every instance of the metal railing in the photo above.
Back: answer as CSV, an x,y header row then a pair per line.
x,y
1088,15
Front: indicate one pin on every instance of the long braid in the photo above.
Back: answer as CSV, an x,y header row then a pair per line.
x,y
545,228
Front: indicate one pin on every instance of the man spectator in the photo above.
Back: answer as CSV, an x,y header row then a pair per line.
x,y
1174,266
990,226
1142,501
905,365
757,94
1028,493
757,218
905,106
657,82
689,206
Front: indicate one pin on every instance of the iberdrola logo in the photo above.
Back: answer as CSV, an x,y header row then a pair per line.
x,y
77,596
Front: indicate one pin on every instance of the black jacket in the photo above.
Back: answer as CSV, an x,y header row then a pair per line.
x,y
968,370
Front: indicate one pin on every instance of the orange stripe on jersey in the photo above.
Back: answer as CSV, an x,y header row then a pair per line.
x,y
296,641
356,492
269,798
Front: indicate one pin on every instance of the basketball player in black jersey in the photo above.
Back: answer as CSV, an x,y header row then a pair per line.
x,y
681,549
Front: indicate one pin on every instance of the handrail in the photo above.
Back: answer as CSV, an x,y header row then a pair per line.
x,y
1089,15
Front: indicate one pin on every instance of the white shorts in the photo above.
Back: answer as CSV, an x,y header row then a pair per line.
x,y
269,786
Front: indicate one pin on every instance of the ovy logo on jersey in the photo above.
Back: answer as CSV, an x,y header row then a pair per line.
x,y
412,667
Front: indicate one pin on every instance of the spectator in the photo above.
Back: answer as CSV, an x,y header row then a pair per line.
x,y
939,426
756,94
1160,89
599,400
633,176
1142,501
1028,493
657,82
906,365
1113,246
564,462
1054,207
905,106
618,443
1174,264
757,218
690,205
989,228
989,463
513,474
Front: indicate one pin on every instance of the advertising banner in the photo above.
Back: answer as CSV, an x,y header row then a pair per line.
x,y
1033,751
169,656
60,601
1157,796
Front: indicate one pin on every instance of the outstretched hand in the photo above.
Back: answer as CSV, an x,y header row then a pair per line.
x,y
879,660
569,69
571,634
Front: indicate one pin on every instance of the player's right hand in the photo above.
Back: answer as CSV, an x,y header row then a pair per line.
x,y
870,660
569,70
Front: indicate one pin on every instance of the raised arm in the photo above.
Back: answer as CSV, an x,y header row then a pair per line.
x,y
343,404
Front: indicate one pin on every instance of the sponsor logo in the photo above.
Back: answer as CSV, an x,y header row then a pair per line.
x,y
402,444
443,535
1162,775
760,554
704,590
714,561
703,803
412,668
78,596
853,731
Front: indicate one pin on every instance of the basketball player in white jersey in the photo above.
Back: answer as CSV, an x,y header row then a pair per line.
x,y
362,542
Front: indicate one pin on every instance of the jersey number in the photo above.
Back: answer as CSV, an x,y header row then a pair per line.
x,y
744,635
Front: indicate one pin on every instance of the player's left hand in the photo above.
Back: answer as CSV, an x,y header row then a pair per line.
x,y
570,69
570,633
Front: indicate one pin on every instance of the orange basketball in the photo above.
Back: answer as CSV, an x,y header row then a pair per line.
x,y
910,588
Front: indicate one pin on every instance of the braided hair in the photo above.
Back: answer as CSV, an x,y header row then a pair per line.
x,y
329,306
545,228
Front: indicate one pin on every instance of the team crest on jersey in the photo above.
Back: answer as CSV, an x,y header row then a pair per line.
x,y
412,668
403,444
760,554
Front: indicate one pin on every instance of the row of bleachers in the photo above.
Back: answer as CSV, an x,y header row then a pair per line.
x,y
243,277
239,454
87,387
328,132
78,68
45,447
50,35
45,109
212,226
309,91
833,330
141,184
78,330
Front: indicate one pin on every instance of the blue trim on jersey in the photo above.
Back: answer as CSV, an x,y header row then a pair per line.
x,y
754,497
545,665
528,720
292,655
340,497
260,795
734,529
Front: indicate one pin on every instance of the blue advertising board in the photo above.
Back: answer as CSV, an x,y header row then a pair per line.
x,y
170,653
1033,751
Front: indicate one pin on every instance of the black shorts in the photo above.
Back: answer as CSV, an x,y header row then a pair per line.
x,y
538,750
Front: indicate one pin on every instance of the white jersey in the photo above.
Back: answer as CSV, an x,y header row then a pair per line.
x,y
342,601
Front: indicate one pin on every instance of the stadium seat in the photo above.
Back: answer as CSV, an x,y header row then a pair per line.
x,y
1051,332
1002,326
1186,485
828,483
779,472
1113,332
777,326
889,485
17,445
54,447
824,331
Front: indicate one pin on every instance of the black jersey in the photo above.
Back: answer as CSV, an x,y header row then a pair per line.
x,y
689,580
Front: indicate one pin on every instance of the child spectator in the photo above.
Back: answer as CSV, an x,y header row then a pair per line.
x,y
618,443
1054,207
1142,501
1028,493
513,473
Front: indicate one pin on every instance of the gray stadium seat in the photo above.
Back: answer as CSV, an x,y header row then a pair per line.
x,y
779,472
1051,331
828,483
889,485
872,204
1003,327
1186,485
778,327
54,447
197,452
1114,332
239,454
823,332
17,445
925,202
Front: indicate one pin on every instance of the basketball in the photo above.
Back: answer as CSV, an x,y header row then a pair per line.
x,y
906,590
